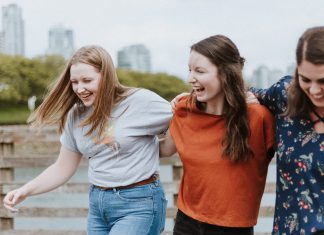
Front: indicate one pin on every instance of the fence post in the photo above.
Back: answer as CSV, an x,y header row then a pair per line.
x,y
177,172
6,176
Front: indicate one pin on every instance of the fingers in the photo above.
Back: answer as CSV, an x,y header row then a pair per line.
x,y
10,200
176,100
10,208
251,99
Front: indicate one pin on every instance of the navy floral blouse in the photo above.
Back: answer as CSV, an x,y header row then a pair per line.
x,y
299,205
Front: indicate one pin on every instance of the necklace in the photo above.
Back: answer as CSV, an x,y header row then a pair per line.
x,y
319,117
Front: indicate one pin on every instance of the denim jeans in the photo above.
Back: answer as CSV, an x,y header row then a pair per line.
x,y
140,210
185,225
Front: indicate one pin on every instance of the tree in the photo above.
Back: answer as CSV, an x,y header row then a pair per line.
x,y
21,78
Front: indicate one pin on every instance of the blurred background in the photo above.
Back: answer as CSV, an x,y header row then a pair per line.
x,y
149,41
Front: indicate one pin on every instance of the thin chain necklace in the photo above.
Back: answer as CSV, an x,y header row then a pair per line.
x,y
319,117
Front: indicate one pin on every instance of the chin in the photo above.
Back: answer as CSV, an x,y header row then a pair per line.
x,y
201,99
318,104
88,104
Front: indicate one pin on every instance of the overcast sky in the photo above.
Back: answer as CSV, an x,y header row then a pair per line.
x,y
265,32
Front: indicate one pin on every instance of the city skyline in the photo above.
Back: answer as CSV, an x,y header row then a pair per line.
x,y
13,31
265,32
135,57
60,41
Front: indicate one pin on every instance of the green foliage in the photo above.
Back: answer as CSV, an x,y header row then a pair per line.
x,y
163,84
13,114
21,77
9,95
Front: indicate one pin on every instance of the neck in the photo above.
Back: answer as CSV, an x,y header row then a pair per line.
x,y
318,115
215,110
319,111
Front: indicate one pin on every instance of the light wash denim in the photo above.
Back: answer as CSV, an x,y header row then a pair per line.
x,y
140,210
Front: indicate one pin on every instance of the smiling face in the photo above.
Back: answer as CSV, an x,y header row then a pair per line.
x,y
311,81
205,80
85,81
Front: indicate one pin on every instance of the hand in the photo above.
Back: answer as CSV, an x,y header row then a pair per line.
x,y
250,98
175,100
13,198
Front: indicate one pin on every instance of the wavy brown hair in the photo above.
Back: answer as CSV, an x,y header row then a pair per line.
x,y
310,47
223,53
61,98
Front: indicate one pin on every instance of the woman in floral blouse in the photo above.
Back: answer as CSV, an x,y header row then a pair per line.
x,y
298,105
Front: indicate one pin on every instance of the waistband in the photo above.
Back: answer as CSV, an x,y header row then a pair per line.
x,y
143,182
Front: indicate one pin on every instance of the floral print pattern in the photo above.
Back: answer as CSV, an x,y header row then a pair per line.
x,y
299,208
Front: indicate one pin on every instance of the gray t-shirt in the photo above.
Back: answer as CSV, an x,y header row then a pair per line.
x,y
129,149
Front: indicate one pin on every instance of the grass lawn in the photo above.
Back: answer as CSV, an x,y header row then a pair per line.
x,y
13,115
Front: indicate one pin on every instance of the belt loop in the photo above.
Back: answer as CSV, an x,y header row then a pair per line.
x,y
115,190
156,182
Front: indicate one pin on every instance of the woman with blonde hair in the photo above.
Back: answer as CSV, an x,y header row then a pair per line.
x,y
115,128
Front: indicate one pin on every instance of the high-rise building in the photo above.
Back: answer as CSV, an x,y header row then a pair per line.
x,y
134,57
60,41
263,77
291,69
1,42
13,34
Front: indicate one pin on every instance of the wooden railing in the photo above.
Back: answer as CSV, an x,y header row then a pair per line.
x,y
21,147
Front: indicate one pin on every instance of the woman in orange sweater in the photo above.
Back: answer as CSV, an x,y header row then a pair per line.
x,y
225,145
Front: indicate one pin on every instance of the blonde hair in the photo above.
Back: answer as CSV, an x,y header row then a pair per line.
x,y
61,98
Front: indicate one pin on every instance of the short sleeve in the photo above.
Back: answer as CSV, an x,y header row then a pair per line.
x,y
151,113
157,114
269,130
159,111
67,138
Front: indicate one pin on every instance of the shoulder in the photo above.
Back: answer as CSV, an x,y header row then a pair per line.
x,y
74,116
182,104
258,111
284,83
144,94
76,112
146,101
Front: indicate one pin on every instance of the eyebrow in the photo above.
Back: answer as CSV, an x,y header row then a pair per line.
x,y
82,78
319,79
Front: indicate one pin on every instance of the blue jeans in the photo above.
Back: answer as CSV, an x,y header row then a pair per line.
x,y
140,210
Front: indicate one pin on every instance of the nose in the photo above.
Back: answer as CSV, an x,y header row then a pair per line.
x,y
315,89
80,88
191,78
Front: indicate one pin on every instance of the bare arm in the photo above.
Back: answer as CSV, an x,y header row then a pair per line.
x,y
52,177
167,146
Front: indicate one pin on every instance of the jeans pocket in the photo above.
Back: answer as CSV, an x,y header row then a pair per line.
x,y
163,215
136,194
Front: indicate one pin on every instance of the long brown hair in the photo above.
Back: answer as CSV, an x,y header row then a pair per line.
x,y
61,98
310,48
223,53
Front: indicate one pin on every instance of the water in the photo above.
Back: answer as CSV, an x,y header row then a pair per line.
x,y
57,199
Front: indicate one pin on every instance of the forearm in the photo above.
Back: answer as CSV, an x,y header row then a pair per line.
x,y
55,175
167,146
51,178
